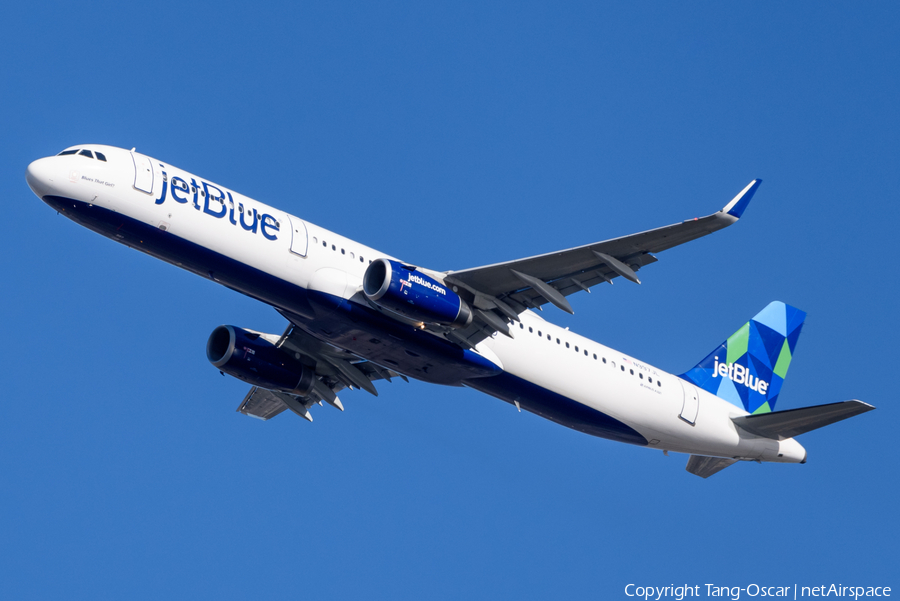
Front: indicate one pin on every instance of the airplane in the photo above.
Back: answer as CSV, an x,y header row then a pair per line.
x,y
357,315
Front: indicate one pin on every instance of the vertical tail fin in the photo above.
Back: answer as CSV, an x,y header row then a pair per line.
x,y
749,368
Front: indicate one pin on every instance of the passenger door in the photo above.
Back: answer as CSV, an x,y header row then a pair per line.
x,y
143,173
691,405
299,237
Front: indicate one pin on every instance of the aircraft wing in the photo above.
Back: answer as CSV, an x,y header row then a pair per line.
x,y
335,369
501,291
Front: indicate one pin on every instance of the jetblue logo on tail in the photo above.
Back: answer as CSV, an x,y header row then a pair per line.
x,y
754,360
739,375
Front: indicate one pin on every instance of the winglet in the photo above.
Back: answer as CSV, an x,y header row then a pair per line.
x,y
736,207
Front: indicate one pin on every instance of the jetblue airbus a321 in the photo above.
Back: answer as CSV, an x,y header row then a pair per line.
x,y
357,316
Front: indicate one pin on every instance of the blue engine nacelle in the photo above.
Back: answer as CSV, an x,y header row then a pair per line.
x,y
410,293
249,357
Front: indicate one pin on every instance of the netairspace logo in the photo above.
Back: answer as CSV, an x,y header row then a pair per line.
x,y
678,593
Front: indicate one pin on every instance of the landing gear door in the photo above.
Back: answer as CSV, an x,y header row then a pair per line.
x,y
299,237
691,402
143,173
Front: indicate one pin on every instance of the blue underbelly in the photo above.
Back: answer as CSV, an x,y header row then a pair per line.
x,y
348,325
359,329
556,407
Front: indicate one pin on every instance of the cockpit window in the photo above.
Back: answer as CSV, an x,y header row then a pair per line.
x,y
86,153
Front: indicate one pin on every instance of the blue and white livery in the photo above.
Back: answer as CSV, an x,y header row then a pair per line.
x,y
357,316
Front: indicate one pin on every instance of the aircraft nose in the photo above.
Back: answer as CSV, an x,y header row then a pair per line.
x,y
39,176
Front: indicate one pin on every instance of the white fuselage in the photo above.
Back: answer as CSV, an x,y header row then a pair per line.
x,y
209,226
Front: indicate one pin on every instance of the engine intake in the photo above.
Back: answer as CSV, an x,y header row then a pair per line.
x,y
404,290
249,357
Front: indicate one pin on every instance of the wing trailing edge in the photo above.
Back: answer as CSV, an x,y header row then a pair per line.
x,y
507,289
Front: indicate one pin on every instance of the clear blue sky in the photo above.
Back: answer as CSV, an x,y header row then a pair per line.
x,y
451,135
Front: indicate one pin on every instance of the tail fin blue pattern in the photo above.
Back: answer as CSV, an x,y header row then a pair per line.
x,y
749,368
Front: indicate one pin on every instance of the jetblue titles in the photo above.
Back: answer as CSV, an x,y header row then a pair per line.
x,y
739,375
417,279
212,200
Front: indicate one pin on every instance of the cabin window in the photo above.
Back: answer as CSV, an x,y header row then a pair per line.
x,y
658,383
623,368
539,333
530,329
333,247
324,244
361,260
342,252
87,153
649,379
604,358
567,345
632,371
641,376
586,354
521,326
102,157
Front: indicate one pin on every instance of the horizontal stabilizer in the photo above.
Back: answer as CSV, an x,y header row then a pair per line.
x,y
793,422
262,404
707,466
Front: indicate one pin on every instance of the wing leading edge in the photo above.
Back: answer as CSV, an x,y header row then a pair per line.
x,y
504,290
